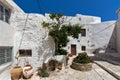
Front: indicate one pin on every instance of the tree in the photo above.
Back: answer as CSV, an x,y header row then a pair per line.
x,y
60,31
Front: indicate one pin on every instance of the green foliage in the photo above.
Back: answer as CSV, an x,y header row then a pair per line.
x,y
63,40
56,16
61,52
60,32
83,58
72,30
45,24
44,73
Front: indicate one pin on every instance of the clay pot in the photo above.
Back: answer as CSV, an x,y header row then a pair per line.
x,y
70,55
39,71
59,67
27,71
16,73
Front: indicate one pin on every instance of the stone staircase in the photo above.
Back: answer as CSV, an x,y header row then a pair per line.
x,y
109,62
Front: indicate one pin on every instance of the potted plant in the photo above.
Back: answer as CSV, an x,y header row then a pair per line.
x,y
27,70
16,72
82,62
60,55
41,72
69,55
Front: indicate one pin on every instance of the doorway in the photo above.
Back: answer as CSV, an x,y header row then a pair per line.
x,y
73,49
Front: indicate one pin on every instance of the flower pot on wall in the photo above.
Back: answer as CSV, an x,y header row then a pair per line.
x,y
27,71
16,73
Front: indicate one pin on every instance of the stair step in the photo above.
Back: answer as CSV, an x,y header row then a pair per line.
x,y
111,68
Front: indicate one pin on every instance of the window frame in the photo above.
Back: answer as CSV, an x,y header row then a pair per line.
x,y
5,14
25,54
83,32
6,56
83,48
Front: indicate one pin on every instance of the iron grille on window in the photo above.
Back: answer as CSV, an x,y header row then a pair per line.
x,y
5,55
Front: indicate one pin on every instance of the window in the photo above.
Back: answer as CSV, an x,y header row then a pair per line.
x,y
5,55
83,48
4,13
83,32
7,15
1,12
24,52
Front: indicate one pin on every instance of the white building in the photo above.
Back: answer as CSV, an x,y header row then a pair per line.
x,y
36,44
23,33
95,34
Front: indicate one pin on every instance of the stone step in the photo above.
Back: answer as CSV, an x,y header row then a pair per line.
x,y
109,57
109,67
99,74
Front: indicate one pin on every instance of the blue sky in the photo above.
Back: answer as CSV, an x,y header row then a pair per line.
x,y
106,9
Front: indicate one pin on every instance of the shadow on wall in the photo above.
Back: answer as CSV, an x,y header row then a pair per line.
x,y
46,50
111,47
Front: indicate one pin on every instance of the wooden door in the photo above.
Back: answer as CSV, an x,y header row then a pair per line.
x,y
73,49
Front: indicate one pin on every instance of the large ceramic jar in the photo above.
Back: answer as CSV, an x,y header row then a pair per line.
x,y
28,71
16,73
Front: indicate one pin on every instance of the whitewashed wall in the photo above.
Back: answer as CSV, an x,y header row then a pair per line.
x,y
35,38
6,34
42,45
104,35
100,35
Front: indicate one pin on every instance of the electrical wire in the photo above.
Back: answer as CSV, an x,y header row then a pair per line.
x,y
40,9
104,28
22,34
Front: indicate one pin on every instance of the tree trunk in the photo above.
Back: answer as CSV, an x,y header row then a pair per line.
x,y
56,45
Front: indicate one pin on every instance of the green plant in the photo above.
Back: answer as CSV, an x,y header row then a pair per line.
x,y
60,52
60,32
82,58
44,73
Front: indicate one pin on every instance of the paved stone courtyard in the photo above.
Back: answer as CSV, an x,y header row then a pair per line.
x,y
97,73
69,74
